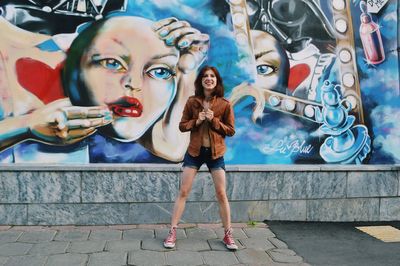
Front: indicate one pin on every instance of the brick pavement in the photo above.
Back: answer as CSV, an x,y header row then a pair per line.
x,y
198,244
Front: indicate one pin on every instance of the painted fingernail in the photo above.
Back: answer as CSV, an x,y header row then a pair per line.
x,y
163,33
105,112
183,44
170,41
108,118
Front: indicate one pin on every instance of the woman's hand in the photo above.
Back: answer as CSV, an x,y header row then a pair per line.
x,y
209,114
61,123
192,44
201,118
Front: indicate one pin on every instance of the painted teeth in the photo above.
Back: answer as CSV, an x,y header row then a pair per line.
x,y
129,111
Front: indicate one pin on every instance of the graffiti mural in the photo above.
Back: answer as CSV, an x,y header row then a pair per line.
x,y
106,81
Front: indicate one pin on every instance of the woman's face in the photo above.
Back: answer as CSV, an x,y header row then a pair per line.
x,y
209,82
129,69
269,58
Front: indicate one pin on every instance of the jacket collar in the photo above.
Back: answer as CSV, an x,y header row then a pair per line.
x,y
200,99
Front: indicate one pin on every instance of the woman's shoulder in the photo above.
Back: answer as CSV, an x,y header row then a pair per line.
x,y
193,98
194,101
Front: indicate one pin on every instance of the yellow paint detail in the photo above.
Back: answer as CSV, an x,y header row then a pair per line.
x,y
385,233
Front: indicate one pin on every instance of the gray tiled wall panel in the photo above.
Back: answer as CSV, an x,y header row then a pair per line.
x,y
40,187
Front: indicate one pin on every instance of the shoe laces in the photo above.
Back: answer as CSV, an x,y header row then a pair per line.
x,y
229,236
171,234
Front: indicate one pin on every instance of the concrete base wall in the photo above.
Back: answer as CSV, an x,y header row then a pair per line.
x,y
126,194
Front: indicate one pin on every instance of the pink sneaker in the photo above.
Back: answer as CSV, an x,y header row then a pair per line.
x,y
229,241
169,242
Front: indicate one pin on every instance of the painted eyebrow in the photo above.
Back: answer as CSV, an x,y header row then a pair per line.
x,y
115,41
263,53
164,55
120,44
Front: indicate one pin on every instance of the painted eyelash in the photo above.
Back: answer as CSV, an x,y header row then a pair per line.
x,y
274,68
96,59
172,72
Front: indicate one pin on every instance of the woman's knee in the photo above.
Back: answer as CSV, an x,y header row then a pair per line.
x,y
221,195
184,193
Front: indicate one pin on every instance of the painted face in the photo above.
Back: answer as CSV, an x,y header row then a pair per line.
x,y
209,82
271,62
129,69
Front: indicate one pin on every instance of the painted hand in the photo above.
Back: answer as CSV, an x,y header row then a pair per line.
x,y
192,44
60,123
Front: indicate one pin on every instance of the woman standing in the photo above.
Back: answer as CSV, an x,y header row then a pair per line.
x,y
209,118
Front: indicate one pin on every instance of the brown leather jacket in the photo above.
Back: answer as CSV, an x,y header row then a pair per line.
x,y
223,124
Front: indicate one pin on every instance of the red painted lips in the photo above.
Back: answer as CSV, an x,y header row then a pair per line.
x,y
126,106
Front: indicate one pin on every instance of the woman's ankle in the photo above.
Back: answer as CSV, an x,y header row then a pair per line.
x,y
228,228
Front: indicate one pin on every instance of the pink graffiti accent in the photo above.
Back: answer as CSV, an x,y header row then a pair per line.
x,y
40,79
370,37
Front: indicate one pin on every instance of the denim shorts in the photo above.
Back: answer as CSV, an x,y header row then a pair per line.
x,y
204,157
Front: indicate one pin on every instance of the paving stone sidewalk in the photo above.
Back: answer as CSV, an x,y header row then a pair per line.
x,y
198,244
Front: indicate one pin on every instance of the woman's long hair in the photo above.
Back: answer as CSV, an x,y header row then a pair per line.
x,y
219,89
72,80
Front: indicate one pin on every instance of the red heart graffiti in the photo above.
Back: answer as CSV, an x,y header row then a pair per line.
x,y
297,75
40,79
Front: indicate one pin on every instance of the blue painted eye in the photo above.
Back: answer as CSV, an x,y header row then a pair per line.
x,y
160,73
265,69
112,64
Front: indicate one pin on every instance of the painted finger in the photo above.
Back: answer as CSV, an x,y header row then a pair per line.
x,y
162,23
79,112
87,123
58,120
194,37
163,32
175,37
194,56
75,112
98,111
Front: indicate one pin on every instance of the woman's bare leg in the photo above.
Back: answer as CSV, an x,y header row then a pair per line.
x,y
220,192
186,186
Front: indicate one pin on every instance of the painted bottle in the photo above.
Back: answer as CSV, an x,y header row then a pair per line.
x,y
371,37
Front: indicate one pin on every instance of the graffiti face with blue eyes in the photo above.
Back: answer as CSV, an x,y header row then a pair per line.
x,y
271,62
129,69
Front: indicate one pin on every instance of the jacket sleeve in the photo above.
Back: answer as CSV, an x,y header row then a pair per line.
x,y
187,121
226,125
